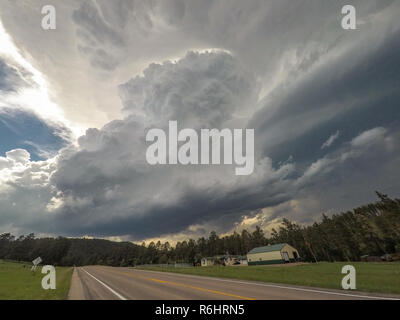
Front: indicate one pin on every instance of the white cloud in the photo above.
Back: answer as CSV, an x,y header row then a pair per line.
x,y
330,140
368,137
34,96
19,156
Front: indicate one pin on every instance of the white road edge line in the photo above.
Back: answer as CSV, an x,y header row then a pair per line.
x,y
112,290
276,286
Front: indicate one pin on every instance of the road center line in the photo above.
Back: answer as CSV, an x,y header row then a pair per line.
x,y
101,282
201,289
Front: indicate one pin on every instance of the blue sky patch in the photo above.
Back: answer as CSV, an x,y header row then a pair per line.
x,y
22,129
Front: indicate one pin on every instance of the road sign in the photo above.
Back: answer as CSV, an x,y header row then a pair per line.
x,y
37,261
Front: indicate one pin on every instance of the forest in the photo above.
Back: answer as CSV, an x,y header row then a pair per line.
x,y
372,229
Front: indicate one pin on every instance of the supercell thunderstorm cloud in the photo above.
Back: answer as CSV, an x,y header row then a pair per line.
x,y
76,104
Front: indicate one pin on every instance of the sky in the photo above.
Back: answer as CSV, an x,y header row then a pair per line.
x,y
76,102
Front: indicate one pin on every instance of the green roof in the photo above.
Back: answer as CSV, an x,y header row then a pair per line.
x,y
274,247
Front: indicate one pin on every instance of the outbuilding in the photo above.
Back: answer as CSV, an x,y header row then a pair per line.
x,y
208,261
272,254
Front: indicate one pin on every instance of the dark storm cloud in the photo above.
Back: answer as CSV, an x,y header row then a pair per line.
x,y
106,183
193,208
356,92
307,78
353,173
109,190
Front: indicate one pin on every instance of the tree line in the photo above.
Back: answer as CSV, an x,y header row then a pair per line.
x,y
372,229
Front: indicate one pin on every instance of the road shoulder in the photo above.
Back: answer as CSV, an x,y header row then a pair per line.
x,y
76,291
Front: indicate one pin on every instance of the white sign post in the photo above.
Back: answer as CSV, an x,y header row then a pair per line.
x,y
35,263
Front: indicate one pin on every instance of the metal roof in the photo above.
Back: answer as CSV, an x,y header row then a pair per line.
x,y
274,247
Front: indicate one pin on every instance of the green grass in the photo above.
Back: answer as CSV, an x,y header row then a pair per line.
x,y
17,282
370,277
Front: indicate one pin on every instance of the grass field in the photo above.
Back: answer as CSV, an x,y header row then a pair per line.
x,y
371,277
19,283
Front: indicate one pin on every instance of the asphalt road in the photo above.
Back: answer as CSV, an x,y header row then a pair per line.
x,y
108,283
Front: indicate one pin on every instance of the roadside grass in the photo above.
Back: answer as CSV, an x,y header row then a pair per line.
x,y
370,277
17,282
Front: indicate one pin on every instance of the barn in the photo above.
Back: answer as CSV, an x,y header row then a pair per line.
x,y
272,254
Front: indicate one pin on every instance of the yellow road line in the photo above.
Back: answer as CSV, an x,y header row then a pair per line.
x,y
201,289
178,284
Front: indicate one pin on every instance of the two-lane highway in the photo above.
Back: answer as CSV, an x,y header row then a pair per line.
x,y
108,283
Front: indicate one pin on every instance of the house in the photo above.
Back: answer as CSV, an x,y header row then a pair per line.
x,y
272,254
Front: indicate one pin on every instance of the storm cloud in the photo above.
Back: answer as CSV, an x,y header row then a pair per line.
x,y
324,103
